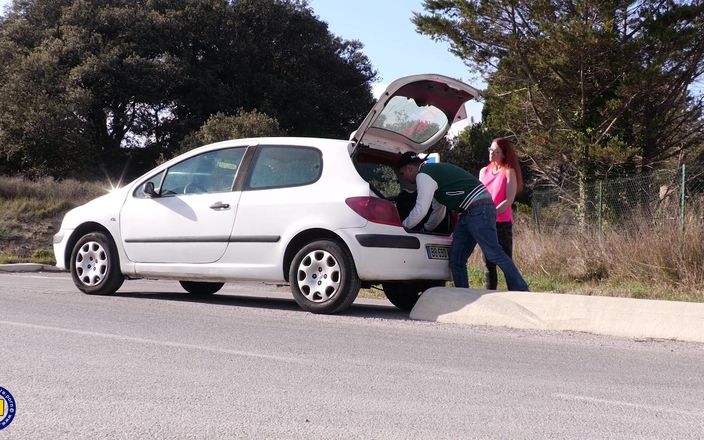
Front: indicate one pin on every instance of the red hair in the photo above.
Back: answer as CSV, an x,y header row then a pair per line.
x,y
510,160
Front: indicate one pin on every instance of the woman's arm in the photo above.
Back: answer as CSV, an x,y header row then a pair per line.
x,y
510,191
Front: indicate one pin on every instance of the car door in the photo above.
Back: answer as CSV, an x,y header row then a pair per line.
x,y
189,216
277,195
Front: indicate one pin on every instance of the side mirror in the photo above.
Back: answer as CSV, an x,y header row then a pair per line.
x,y
150,191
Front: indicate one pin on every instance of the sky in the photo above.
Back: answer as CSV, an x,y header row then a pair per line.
x,y
390,41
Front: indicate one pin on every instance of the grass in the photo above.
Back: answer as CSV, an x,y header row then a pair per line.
x,y
31,212
10,256
643,260
640,260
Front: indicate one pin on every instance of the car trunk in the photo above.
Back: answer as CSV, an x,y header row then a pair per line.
x,y
413,114
378,168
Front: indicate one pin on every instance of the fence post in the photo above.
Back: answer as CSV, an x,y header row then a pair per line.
x,y
682,204
601,190
536,213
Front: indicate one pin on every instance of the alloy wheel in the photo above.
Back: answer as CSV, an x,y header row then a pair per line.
x,y
91,263
318,276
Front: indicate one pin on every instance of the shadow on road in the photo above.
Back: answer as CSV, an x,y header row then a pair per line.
x,y
242,300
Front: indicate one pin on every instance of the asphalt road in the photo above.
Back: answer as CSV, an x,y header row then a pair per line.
x,y
156,363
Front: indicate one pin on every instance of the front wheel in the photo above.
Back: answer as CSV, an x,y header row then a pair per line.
x,y
405,294
95,265
201,287
323,277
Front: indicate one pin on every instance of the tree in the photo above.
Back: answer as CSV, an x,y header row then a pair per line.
x,y
88,86
588,88
85,83
220,127
469,148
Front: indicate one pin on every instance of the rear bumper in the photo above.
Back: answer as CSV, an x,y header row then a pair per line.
x,y
388,253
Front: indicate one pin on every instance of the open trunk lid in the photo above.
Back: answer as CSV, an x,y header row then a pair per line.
x,y
413,113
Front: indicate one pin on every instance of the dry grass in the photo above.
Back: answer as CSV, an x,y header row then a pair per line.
x,y
643,260
48,189
31,211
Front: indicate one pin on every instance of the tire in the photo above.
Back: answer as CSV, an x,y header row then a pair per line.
x,y
201,287
323,277
95,265
404,295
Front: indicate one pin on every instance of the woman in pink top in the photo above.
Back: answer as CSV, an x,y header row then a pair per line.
x,y
503,179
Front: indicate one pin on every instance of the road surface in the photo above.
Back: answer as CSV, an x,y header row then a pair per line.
x,y
155,362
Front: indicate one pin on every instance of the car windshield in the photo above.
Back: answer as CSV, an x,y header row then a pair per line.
x,y
404,116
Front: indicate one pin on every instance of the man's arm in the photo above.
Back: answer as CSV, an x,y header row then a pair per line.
x,y
436,217
426,187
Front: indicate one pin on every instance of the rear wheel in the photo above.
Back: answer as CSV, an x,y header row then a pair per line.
x,y
323,277
201,287
405,294
95,265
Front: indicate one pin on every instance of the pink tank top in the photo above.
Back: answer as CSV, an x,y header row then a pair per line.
x,y
496,185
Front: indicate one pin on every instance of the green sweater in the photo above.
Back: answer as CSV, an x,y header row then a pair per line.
x,y
457,188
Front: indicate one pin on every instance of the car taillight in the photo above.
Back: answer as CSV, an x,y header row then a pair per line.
x,y
375,210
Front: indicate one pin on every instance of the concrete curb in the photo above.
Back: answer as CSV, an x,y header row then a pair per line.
x,y
624,317
28,267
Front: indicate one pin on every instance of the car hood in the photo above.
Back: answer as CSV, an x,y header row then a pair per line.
x,y
413,113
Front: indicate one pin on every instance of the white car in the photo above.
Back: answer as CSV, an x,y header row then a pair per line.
x,y
319,214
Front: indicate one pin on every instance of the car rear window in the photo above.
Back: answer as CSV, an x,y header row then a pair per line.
x,y
409,119
283,166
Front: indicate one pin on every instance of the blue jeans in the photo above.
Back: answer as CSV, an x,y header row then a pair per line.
x,y
478,226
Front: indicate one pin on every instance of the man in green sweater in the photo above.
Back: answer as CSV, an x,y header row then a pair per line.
x,y
446,185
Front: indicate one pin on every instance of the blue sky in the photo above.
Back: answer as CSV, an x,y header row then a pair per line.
x,y
391,42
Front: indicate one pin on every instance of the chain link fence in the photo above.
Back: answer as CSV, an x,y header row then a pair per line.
x,y
665,197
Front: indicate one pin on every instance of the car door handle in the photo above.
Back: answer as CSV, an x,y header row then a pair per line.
x,y
219,205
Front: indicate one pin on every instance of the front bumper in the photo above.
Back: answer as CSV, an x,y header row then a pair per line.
x,y
59,243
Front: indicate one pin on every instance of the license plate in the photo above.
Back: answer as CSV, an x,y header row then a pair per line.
x,y
437,252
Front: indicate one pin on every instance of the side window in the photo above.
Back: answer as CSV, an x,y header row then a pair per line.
x,y
281,166
209,172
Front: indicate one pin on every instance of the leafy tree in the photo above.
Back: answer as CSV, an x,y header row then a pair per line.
x,y
313,83
588,88
89,86
469,148
220,127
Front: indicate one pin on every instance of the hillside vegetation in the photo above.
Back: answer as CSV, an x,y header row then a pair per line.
x,y
31,212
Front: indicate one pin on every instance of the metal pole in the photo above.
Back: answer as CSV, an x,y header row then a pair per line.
x,y
536,214
682,205
601,191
